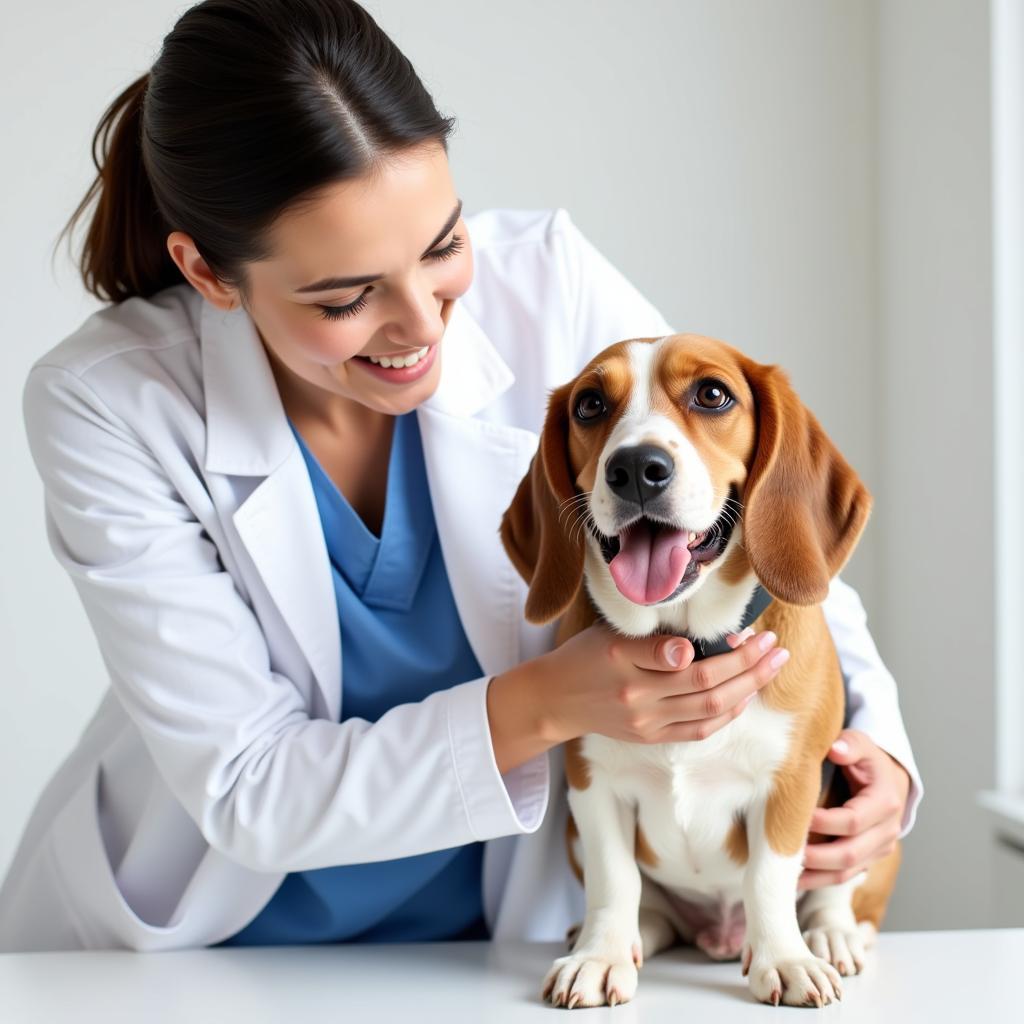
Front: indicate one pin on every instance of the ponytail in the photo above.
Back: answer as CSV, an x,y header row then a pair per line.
x,y
125,249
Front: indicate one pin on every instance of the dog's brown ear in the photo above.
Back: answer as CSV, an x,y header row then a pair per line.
x,y
804,506
535,528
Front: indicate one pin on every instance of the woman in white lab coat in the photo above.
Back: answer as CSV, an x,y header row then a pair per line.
x,y
327,719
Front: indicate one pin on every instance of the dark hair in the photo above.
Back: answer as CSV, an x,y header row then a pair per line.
x,y
252,107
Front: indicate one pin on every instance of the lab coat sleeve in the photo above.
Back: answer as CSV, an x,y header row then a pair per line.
x,y
268,785
872,703
608,308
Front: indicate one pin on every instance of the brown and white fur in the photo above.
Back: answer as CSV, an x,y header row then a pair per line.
x,y
701,841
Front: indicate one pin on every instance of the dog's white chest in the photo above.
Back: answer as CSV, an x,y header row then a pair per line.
x,y
688,795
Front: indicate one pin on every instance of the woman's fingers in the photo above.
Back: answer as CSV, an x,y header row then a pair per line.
x,y
708,673
814,878
695,716
854,852
719,699
713,686
678,732
866,809
697,699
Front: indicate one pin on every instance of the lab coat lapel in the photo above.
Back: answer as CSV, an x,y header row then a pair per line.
x,y
473,468
277,520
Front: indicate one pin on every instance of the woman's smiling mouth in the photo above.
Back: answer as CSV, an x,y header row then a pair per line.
x,y
402,367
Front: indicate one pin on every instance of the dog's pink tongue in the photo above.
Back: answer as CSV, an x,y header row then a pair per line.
x,y
649,566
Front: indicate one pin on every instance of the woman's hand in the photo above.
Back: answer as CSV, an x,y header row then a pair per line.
x,y
869,822
648,689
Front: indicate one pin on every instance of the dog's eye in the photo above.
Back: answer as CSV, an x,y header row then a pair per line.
x,y
590,405
711,394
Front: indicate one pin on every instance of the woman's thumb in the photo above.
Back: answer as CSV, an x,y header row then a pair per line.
x,y
847,748
676,651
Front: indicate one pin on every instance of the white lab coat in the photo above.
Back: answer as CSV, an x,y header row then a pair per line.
x,y
179,503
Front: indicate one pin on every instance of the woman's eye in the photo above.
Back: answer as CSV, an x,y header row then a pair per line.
x,y
589,406
449,250
711,394
338,312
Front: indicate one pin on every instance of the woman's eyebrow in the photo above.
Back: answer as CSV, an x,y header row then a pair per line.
x,y
329,283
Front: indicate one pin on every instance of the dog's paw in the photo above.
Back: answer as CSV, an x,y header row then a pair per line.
x,y
590,979
800,981
842,947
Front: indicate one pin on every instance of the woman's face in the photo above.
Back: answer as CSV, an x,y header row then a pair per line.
x,y
400,233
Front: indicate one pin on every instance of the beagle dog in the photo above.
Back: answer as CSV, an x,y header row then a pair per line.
x,y
694,493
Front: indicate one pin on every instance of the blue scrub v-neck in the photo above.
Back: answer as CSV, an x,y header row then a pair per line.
x,y
401,640
384,571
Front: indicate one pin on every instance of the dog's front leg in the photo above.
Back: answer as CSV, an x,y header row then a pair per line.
x,y
780,965
602,965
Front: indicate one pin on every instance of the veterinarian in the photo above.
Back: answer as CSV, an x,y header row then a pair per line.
x,y
274,466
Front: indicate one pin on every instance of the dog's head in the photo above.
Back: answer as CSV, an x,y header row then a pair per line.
x,y
660,455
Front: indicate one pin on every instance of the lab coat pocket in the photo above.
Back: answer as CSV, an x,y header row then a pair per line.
x,y
103,917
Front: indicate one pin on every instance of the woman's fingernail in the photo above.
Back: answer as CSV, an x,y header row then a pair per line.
x,y
675,654
780,657
841,747
766,641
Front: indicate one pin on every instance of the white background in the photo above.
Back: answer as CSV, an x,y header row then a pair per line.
x,y
808,180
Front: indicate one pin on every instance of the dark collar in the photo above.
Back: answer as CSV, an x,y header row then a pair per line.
x,y
705,648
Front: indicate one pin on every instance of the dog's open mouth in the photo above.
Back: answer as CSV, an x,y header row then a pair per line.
x,y
653,561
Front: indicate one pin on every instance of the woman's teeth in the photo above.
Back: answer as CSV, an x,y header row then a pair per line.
x,y
399,361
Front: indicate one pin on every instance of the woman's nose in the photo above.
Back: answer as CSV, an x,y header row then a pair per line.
x,y
418,320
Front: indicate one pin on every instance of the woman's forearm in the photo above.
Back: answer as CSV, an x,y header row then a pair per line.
x,y
518,713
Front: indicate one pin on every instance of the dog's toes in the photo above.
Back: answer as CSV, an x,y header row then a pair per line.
x,y
841,947
807,981
582,979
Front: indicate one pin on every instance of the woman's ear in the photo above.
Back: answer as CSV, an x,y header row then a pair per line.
x,y
532,530
804,506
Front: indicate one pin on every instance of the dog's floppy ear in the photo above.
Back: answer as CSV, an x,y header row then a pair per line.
x,y
535,528
804,506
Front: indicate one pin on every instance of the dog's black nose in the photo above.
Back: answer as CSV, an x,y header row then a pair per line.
x,y
640,472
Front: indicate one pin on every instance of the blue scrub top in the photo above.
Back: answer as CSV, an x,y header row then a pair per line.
x,y
401,640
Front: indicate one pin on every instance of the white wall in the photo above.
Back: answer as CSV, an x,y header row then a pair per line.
x,y
933,396
744,163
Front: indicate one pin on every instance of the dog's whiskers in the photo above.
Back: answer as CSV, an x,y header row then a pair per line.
x,y
572,505
579,524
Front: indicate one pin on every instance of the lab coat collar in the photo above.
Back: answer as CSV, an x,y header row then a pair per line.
x,y
247,433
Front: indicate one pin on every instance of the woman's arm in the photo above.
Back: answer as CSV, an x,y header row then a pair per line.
x,y
267,785
872,702
873,752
